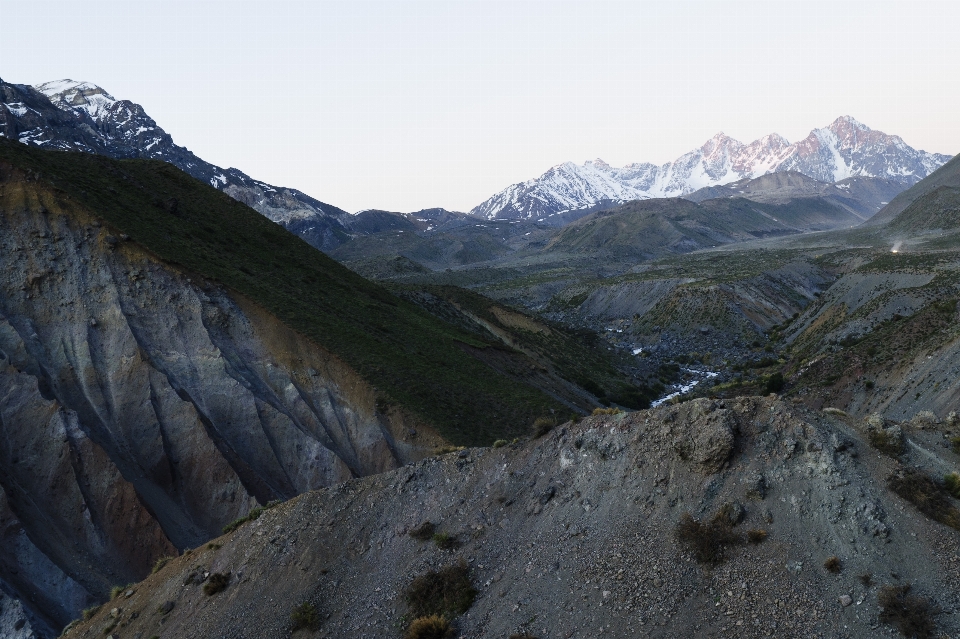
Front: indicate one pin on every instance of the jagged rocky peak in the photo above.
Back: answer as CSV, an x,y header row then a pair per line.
x,y
846,148
83,95
82,116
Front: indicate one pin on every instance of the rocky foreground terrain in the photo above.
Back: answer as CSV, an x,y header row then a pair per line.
x,y
575,535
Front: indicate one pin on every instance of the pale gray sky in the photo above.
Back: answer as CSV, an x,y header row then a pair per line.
x,y
408,104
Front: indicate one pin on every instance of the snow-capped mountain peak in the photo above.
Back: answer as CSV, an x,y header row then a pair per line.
x,y
85,96
843,149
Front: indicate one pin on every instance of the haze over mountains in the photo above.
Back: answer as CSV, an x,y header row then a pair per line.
x,y
844,149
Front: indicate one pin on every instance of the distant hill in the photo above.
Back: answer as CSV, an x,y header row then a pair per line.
x,y
645,229
936,210
947,175
862,196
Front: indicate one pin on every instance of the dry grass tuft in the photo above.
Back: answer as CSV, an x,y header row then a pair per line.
x,y
447,592
707,541
432,627
911,615
157,567
833,564
217,582
756,535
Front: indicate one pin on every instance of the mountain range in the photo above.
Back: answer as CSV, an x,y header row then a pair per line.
x,y
81,116
845,149
869,166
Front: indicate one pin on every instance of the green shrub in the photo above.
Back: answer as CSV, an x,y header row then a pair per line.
x,y
423,532
929,498
233,525
606,411
216,583
447,592
445,541
88,613
305,617
431,627
887,442
543,425
952,483
956,444
158,566
911,615
254,514
500,443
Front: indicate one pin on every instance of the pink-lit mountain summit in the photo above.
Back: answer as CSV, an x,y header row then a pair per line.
x,y
844,149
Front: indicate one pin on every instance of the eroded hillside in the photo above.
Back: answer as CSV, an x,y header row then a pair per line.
x,y
143,409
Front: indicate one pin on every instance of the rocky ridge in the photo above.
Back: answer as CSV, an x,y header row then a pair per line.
x,y
80,116
573,535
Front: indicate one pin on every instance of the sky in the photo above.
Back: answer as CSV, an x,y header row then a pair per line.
x,y
409,104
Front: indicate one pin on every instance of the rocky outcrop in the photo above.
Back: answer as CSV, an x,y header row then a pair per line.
x,y
141,409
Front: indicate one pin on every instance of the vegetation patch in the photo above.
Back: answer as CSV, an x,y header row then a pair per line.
x,y
952,483
305,617
217,582
543,425
833,564
430,627
88,613
887,441
424,531
412,357
756,535
607,411
447,592
445,541
910,614
924,493
251,516
158,566
774,384
708,541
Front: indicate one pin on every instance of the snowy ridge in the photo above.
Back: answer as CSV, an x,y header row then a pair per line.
x,y
846,148
81,116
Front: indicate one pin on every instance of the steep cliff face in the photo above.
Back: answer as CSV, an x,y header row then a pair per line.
x,y
142,409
